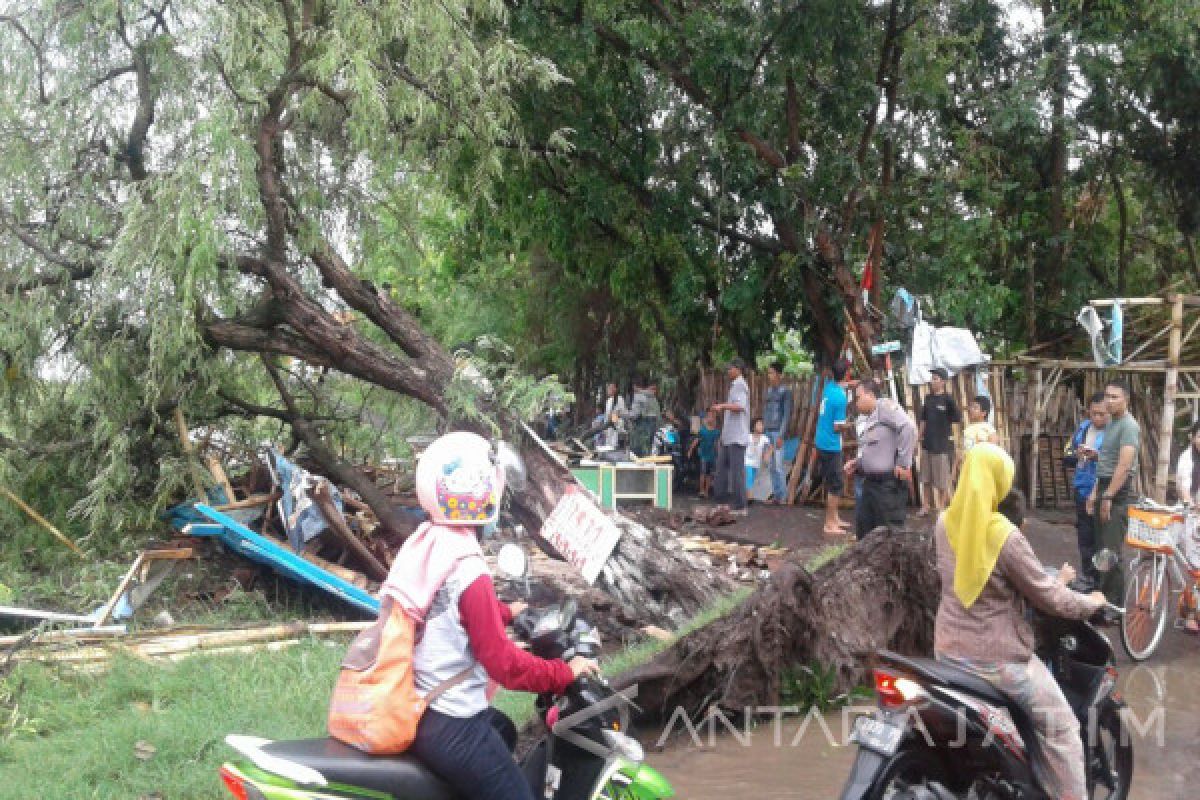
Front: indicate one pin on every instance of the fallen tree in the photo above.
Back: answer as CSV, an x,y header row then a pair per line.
x,y
256,241
881,593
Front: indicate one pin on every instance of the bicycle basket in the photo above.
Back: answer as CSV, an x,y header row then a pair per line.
x,y
1153,530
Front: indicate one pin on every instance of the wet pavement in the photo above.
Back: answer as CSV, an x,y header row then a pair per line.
x,y
805,760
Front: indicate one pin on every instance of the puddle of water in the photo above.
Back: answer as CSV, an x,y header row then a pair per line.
x,y
798,760
774,761
1164,705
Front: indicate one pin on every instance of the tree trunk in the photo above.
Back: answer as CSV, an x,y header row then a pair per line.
x,y
649,575
881,593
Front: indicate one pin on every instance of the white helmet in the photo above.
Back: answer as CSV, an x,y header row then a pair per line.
x,y
459,481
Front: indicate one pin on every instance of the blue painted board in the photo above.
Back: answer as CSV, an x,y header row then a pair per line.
x,y
242,540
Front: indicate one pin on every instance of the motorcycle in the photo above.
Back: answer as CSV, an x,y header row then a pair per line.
x,y
585,752
943,733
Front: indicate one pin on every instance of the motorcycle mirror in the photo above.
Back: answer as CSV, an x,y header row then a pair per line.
x,y
512,561
1105,561
508,459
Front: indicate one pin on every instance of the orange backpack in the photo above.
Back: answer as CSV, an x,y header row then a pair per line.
x,y
375,705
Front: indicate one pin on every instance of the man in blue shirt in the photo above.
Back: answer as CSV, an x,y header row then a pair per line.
x,y
830,422
777,413
1081,454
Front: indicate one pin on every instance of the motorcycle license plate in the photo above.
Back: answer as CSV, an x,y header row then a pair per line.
x,y
875,734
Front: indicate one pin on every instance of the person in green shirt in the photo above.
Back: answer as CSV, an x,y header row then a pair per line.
x,y
1116,466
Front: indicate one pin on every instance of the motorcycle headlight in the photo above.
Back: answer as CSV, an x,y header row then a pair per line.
x,y
625,746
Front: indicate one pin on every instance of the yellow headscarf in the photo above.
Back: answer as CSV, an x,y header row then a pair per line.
x,y
975,529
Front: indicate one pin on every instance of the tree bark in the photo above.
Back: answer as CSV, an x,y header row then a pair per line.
x,y
881,593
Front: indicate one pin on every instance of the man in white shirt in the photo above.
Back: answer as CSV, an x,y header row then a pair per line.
x,y
735,436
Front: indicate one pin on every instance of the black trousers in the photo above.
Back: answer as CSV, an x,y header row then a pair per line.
x,y
473,755
883,503
731,476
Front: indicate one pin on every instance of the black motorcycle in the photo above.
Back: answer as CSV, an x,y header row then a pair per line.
x,y
943,733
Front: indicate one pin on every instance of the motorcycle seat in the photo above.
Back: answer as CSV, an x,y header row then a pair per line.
x,y
400,776
953,677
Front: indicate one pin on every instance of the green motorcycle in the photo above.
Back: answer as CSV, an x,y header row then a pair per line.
x,y
585,753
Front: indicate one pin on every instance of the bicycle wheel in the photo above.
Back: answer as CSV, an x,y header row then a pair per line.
x,y
1147,600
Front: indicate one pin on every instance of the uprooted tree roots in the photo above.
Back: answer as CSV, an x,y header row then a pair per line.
x,y
881,593
653,579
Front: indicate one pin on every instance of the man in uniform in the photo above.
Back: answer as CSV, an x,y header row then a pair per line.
x,y
884,461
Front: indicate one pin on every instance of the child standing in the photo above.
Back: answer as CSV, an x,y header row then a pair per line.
x,y
978,429
706,443
757,452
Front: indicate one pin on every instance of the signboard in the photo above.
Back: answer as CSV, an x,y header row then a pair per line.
x,y
581,532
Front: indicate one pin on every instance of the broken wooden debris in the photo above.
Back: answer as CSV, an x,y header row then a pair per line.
x,y
46,616
280,557
148,570
89,650
337,523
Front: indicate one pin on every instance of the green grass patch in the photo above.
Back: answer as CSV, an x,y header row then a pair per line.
x,y
67,735
827,554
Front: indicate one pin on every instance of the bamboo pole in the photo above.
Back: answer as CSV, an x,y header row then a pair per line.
x,y
1167,423
1036,392
39,519
211,641
189,453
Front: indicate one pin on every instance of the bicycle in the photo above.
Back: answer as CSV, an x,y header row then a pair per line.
x,y
1159,569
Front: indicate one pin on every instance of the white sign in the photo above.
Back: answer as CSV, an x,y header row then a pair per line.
x,y
581,532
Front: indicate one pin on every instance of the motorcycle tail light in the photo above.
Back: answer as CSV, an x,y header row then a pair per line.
x,y
897,691
238,787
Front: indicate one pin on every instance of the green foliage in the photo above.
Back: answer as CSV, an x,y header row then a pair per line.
x,y
814,686
128,157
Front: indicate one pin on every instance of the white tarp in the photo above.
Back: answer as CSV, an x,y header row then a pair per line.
x,y
952,349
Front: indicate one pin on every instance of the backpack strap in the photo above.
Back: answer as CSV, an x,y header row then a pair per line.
x,y
447,685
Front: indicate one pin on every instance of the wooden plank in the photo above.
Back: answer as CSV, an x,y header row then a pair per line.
x,y
337,523
1129,301
249,502
218,472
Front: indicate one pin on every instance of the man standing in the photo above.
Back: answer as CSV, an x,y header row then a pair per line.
x,y
938,414
884,460
1081,453
777,413
610,424
831,420
644,412
735,436
1116,465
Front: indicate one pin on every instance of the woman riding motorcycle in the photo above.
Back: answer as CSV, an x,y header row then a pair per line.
x,y
989,572
441,577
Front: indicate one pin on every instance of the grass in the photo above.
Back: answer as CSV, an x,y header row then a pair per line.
x,y
74,737
67,735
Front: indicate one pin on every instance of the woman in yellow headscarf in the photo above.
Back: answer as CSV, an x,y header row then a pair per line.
x,y
989,573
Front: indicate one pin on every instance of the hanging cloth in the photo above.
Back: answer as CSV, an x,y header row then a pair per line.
x,y
1116,330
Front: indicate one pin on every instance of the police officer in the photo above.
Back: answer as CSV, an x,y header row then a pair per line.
x,y
885,454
